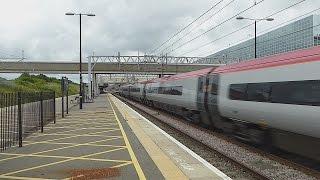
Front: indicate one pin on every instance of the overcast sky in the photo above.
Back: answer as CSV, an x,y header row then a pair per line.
x,y
44,32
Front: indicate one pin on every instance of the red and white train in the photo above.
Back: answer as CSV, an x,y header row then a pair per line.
x,y
269,101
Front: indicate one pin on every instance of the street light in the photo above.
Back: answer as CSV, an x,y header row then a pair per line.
x,y
80,69
255,30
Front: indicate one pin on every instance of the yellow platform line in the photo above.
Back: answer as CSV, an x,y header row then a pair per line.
x,y
132,155
166,166
58,162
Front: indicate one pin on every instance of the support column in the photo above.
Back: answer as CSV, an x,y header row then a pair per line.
x,y
89,79
94,82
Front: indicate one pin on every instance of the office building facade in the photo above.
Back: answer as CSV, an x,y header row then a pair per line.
x,y
303,33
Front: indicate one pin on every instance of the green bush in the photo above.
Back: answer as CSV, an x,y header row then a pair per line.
x,y
33,83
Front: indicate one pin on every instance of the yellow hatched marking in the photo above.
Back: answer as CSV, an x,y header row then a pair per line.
x,y
68,134
86,126
77,135
23,155
74,158
55,139
72,123
72,130
80,135
101,120
88,144
73,127
121,165
23,178
132,155
58,162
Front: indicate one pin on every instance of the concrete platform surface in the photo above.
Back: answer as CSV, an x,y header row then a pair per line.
x,y
105,140
174,160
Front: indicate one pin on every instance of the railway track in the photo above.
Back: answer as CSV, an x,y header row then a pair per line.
x,y
253,162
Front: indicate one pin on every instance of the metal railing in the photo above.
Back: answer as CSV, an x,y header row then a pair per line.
x,y
22,114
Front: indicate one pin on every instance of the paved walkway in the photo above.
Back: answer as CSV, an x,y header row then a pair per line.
x,y
87,144
105,140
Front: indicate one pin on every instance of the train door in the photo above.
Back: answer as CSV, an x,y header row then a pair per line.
x,y
202,98
144,91
211,98
129,93
207,99
200,94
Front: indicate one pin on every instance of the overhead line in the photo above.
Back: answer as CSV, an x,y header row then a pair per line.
x,y
186,26
277,37
277,12
274,27
199,25
217,26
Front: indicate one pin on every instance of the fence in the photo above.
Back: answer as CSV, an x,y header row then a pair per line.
x,y
22,114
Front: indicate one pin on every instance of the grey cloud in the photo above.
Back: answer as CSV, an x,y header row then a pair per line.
x,y
44,32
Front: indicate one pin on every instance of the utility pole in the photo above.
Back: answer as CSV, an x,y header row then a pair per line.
x,y
80,93
255,39
93,78
22,55
80,68
89,79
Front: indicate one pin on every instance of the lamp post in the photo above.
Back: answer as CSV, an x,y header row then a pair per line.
x,y
80,69
255,30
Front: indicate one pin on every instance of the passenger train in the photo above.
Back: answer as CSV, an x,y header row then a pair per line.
x,y
270,101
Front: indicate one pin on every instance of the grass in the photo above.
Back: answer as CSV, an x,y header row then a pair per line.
x,y
34,83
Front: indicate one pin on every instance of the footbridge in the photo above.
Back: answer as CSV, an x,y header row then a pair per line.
x,y
110,65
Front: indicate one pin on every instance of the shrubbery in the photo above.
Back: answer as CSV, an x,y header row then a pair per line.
x,y
32,83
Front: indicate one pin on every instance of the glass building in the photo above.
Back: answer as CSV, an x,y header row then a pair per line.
x,y
303,33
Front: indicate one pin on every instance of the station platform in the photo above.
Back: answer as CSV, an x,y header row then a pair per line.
x,y
105,140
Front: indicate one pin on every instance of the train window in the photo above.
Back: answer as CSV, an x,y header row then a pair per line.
x,y
173,90
177,90
153,90
238,92
135,89
296,92
258,92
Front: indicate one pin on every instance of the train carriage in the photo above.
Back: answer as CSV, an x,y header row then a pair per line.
x,y
268,101
136,91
